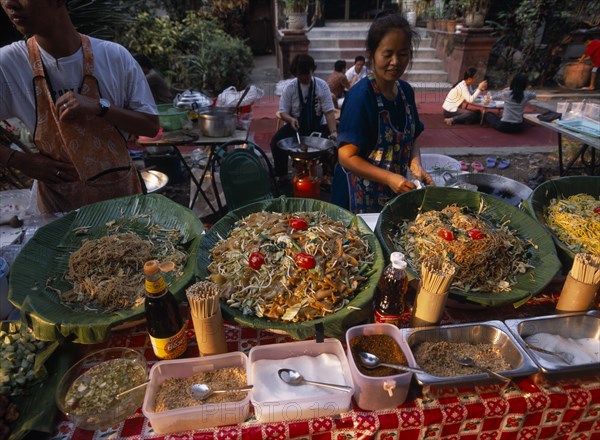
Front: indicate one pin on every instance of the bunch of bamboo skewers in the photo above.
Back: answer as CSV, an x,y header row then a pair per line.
x,y
203,298
586,268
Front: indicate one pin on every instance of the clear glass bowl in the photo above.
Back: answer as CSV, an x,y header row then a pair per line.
x,y
91,406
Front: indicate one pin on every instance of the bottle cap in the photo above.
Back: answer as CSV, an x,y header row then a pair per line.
x,y
398,260
151,267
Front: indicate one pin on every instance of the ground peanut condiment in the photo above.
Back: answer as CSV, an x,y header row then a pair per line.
x,y
382,346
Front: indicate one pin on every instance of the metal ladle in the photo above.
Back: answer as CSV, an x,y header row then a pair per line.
x,y
201,391
369,360
293,377
466,361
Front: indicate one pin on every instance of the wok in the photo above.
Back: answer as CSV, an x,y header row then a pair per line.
x,y
503,188
310,146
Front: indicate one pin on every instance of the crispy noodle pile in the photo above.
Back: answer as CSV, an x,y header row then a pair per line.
x,y
281,290
490,264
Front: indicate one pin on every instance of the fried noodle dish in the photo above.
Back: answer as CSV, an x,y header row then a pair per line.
x,y
291,266
107,273
575,221
487,257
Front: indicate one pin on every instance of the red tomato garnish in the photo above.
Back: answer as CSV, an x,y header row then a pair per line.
x,y
256,260
597,210
446,234
475,234
298,223
305,261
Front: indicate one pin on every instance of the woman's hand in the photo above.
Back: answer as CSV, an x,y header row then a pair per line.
x,y
483,85
400,184
421,175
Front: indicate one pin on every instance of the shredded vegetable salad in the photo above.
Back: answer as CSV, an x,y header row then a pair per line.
x,y
575,220
488,257
291,266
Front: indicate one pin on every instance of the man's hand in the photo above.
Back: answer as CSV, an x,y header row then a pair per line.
x,y
41,167
72,105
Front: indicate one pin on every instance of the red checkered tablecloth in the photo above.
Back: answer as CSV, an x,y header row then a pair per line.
x,y
527,408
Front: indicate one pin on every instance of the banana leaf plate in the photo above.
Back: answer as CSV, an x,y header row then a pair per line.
x,y
46,256
539,200
546,264
356,312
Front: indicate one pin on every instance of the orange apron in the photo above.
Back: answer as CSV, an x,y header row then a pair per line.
x,y
95,147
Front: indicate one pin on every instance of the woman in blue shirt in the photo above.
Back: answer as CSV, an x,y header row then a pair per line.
x,y
379,125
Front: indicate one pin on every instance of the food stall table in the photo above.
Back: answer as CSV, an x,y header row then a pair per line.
x,y
529,407
497,106
590,143
177,139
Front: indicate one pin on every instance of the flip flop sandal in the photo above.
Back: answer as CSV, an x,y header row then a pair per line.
x,y
463,165
491,162
478,167
504,164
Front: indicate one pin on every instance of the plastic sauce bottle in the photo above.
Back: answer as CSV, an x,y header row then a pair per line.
x,y
163,319
389,303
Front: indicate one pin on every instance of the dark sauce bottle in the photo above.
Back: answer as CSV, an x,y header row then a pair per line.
x,y
389,301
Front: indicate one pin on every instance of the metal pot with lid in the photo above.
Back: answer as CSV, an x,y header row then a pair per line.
x,y
503,188
191,100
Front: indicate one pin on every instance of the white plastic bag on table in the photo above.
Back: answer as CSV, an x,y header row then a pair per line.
x,y
231,96
201,208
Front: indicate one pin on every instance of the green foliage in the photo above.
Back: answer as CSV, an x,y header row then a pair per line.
x,y
103,18
294,5
192,52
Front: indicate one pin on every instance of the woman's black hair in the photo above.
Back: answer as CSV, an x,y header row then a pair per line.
x,y
469,73
518,85
302,64
339,66
385,23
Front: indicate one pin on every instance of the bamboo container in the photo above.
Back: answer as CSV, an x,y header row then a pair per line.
x,y
205,309
436,277
580,288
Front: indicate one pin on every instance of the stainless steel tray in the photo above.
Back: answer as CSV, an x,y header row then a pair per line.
x,y
570,325
489,332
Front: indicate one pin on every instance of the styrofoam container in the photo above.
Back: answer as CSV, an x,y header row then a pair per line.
x,y
371,393
302,401
194,417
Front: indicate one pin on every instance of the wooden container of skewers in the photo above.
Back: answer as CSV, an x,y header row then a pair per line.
x,y
581,286
205,310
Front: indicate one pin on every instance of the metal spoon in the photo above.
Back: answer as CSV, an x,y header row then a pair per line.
x,y
567,358
466,361
303,147
292,377
371,361
201,391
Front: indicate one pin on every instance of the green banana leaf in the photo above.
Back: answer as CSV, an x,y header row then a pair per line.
x,y
563,187
358,310
36,405
546,264
46,256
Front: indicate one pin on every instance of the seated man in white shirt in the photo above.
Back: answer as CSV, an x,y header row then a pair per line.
x,y
358,71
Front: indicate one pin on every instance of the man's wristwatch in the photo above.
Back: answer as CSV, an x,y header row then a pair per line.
x,y
104,106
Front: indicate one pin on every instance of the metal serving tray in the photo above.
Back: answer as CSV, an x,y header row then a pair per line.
x,y
571,325
489,332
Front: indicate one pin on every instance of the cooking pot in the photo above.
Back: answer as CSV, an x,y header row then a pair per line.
x,y
308,147
217,121
503,188
192,100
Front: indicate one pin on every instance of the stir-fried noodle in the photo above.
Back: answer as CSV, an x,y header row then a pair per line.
x,y
487,257
575,220
280,288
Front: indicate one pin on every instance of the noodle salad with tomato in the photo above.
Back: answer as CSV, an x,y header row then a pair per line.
x,y
488,257
291,266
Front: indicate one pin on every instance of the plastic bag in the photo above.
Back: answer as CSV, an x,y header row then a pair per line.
x,y
201,208
231,96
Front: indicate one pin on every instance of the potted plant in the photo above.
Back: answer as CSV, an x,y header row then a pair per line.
x,y
430,13
475,12
451,15
295,11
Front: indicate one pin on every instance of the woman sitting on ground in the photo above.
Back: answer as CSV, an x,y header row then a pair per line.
x,y
453,113
515,99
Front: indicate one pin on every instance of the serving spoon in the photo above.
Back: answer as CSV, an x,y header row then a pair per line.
x,y
201,391
293,377
467,361
566,357
369,360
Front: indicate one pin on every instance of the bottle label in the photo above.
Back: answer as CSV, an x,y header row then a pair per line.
x,y
156,286
382,318
170,348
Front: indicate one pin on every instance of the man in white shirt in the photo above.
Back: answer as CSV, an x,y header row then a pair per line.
x,y
358,71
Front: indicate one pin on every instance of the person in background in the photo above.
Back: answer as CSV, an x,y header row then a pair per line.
x,y
515,99
592,52
379,125
305,106
338,83
80,96
358,71
461,92
159,88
